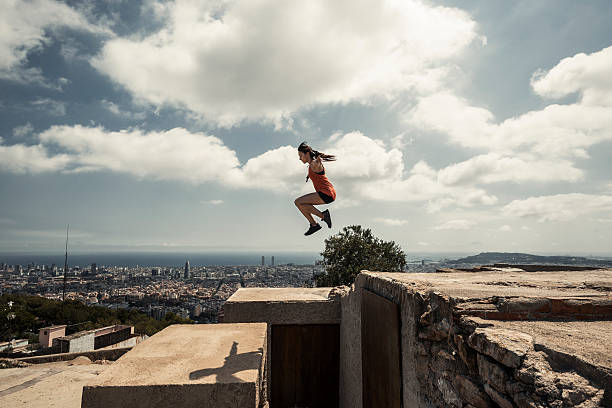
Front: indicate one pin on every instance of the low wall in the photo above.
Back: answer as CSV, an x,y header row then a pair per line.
x,y
455,357
111,355
283,306
186,366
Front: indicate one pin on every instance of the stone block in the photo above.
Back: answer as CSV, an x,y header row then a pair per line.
x,y
498,398
185,366
492,373
449,395
509,347
283,306
471,393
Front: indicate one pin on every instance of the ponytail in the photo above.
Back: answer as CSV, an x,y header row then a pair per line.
x,y
304,148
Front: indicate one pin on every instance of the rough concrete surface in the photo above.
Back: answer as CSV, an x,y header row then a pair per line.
x,y
186,365
280,294
503,338
56,384
283,306
590,341
595,284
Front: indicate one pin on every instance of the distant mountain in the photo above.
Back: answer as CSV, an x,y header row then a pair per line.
x,y
485,258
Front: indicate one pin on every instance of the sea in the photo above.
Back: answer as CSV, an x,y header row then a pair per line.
x,y
175,259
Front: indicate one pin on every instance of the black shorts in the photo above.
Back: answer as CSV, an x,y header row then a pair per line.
x,y
326,199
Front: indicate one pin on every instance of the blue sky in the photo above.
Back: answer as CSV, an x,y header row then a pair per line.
x,y
459,126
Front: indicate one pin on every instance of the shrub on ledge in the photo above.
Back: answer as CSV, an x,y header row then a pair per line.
x,y
354,249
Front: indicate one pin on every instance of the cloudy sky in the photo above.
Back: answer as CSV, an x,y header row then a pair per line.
x,y
460,126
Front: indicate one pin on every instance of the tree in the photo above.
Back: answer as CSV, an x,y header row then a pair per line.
x,y
354,249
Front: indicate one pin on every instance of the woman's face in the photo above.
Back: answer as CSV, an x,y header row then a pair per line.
x,y
303,156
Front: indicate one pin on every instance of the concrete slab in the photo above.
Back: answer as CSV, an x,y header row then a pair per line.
x,y
54,385
280,294
186,365
283,306
595,284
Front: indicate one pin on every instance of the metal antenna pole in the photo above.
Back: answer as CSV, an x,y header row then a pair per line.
x,y
65,266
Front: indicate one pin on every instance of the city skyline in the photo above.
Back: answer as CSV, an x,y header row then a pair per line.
x,y
173,126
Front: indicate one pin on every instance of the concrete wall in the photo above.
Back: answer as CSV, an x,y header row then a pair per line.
x,y
450,359
350,351
284,306
111,355
350,340
82,342
111,336
46,340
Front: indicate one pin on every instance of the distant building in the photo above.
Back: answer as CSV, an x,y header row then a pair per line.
x,y
186,275
272,263
14,345
90,340
47,334
158,312
94,269
263,260
197,310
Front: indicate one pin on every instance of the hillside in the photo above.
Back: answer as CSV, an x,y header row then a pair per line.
x,y
520,258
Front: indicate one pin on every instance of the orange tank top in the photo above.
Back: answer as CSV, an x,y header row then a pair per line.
x,y
321,183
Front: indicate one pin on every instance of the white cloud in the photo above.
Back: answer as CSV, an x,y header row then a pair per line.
x,y
26,27
400,141
493,167
585,74
393,222
559,207
505,228
212,202
365,170
115,109
540,145
347,203
278,169
557,131
53,107
21,159
234,61
454,225
175,154
23,131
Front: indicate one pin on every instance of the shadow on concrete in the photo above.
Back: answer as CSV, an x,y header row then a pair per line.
x,y
233,363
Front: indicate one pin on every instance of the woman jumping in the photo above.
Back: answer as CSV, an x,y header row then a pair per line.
x,y
325,192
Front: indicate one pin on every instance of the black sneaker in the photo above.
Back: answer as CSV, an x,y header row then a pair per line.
x,y
327,218
313,228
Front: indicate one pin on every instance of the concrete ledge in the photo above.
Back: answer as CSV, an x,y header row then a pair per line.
x,y
505,337
186,365
109,354
283,306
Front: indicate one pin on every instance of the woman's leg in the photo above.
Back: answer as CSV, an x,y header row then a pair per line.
x,y
306,207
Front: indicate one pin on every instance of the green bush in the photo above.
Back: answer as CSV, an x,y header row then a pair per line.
x,y
354,249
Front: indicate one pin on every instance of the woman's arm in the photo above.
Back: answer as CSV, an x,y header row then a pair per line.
x,y
316,165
